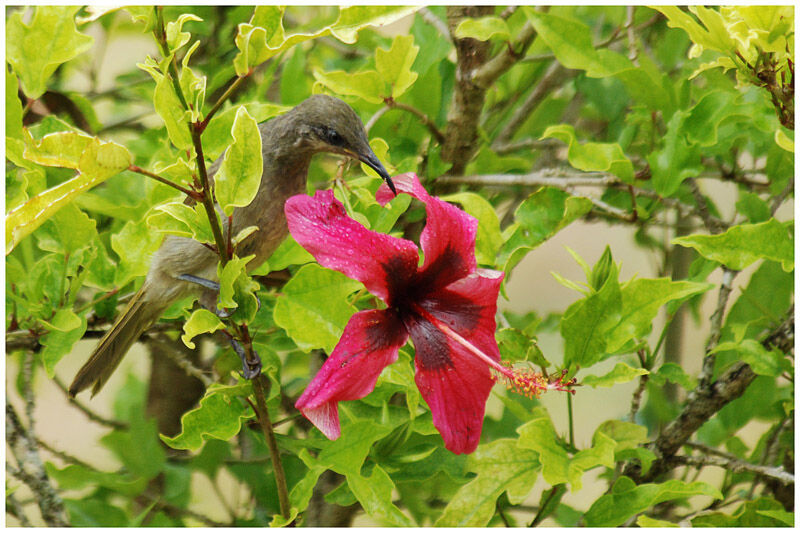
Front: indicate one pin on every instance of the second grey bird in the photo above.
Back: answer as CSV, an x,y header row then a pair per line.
x,y
319,124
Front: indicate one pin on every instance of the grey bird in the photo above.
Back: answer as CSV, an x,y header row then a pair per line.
x,y
319,124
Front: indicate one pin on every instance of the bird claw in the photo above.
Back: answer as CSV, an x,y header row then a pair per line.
x,y
250,369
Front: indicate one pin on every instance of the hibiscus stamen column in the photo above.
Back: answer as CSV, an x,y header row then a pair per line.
x,y
523,381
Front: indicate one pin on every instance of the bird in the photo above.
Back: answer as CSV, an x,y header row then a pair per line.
x,y
182,266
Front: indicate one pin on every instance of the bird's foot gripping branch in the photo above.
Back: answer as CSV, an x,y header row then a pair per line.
x,y
447,306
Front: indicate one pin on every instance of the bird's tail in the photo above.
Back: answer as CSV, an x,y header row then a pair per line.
x,y
137,317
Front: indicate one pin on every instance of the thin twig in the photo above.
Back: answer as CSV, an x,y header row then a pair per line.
x,y
425,119
160,504
781,197
614,37
428,16
633,51
16,511
555,74
188,192
636,401
228,92
716,326
91,415
736,466
485,75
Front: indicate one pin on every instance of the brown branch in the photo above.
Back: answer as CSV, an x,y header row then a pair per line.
x,y
554,76
485,75
425,119
188,192
461,134
703,403
262,414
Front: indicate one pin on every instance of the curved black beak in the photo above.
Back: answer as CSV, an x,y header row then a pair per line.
x,y
371,160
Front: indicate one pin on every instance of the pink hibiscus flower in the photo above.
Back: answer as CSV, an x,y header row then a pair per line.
x,y
447,307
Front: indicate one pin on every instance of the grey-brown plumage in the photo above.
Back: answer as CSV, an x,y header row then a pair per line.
x,y
319,124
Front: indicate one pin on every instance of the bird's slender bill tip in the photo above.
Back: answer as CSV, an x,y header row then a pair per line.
x,y
372,161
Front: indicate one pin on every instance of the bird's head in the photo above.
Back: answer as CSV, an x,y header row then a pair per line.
x,y
329,125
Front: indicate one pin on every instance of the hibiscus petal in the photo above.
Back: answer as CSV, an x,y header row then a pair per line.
x,y
454,383
369,343
448,239
468,306
381,262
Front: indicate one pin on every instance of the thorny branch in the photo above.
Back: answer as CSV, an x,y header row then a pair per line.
x,y
735,465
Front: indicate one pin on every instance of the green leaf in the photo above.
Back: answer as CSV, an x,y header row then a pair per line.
x,y
217,136
237,181
763,362
621,373
176,37
138,448
201,321
76,477
591,156
586,324
674,373
134,245
394,65
646,521
168,106
744,244
64,330
90,512
489,238
313,308
538,218
571,43
753,207
96,161
784,141
483,28
14,141
779,515
374,493
676,160
501,466
367,85
704,119
288,253
641,300
219,416
37,49
177,218
68,230
627,499
557,467
257,44
237,289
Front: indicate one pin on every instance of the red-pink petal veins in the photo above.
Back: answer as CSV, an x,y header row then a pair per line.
x,y
369,343
454,383
468,306
448,239
321,226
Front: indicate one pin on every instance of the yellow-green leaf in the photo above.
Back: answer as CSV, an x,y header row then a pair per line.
x,y
237,181
37,49
483,28
394,65
201,321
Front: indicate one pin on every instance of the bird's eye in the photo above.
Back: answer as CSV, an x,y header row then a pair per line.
x,y
334,138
